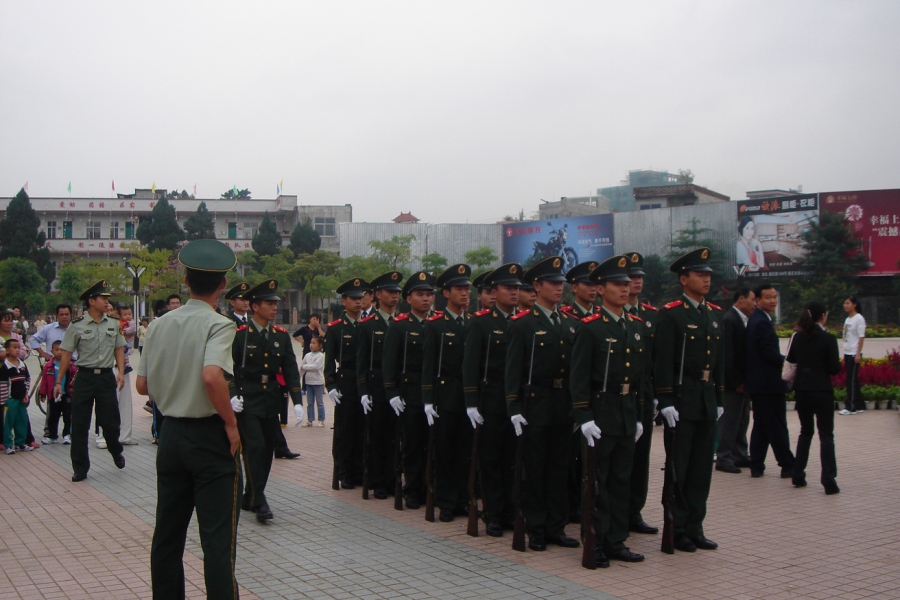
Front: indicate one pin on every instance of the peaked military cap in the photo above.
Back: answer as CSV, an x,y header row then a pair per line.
x,y
237,291
263,291
98,289
353,288
635,263
508,274
423,280
612,269
695,260
455,275
581,273
483,281
549,269
389,281
207,255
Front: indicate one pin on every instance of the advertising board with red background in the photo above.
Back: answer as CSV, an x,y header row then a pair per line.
x,y
875,217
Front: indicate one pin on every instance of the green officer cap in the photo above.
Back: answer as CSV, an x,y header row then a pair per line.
x,y
581,273
423,280
264,291
98,289
237,291
508,274
483,282
695,260
611,269
207,255
549,269
635,263
389,281
353,288
453,276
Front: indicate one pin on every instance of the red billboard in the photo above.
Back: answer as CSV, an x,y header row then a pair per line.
x,y
875,216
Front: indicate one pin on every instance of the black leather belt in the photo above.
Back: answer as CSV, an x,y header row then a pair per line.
x,y
556,384
621,389
699,374
93,371
259,378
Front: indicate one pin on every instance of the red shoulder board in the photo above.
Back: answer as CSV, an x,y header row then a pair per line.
x,y
333,323
713,305
571,315
520,315
483,312
673,304
590,318
436,316
242,327
648,307
634,318
281,329
565,308
401,316
372,316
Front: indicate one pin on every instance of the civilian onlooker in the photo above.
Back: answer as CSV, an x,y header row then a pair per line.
x,y
57,406
129,329
7,320
40,323
173,302
305,334
734,451
815,352
766,387
14,385
854,336
20,324
312,368
141,332
53,332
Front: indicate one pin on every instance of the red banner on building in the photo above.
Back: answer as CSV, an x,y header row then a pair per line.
x,y
875,216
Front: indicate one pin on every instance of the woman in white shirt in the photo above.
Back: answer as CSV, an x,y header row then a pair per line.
x,y
854,336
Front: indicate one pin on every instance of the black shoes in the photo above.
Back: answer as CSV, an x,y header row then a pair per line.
x,y
537,544
742,462
120,461
704,543
494,529
799,480
413,503
346,484
642,527
755,474
600,559
684,543
564,541
830,488
380,493
79,477
787,472
626,555
728,468
446,515
245,504
287,454
263,513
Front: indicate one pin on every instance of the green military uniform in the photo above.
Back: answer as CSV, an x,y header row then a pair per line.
x,y
640,465
381,421
96,343
194,463
442,387
535,337
484,366
340,374
617,341
259,354
697,329
404,340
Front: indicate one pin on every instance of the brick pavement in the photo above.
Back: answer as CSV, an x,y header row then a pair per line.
x,y
91,540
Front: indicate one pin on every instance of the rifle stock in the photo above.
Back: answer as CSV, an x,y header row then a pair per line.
x,y
518,543
368,425
472,525
398,439
670,482
588,556
429,466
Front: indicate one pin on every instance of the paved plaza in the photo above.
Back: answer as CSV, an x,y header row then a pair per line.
x,y
92,539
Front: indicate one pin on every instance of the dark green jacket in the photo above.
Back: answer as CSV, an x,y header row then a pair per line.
x,y
650,316
265,359
488,324
372,332
340,347
446,391
406,329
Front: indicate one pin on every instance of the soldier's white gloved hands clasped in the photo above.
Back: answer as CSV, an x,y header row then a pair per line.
x,y
366,402
518,421
335,396
474,417
655,409
237,403
298,412
639,431
430,413
719,412
397,404
591,432
670,415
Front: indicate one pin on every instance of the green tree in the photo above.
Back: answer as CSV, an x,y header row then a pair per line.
x,y
695,237
832,248
236,194
20,237
161,230
21,284
480,257
433,262
200,225
394,253
162,276
79,275
656,281
182,195
685,176
267,241
305,239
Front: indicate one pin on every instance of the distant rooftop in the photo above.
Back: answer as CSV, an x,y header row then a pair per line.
x,y
406,218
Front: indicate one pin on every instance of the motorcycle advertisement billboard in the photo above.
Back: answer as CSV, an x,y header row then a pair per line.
x,y
768,239
574,239
875,217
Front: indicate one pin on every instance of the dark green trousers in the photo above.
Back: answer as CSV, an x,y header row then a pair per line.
x,y
694,443
614,456
497,462
349,431
381,439
640,471
453,453
195,468
91,388
415,451
548,451
259,436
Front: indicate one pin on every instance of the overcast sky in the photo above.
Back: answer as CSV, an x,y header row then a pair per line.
x,y
456,111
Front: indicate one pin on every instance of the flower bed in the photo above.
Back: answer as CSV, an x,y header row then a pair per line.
x,y
872,331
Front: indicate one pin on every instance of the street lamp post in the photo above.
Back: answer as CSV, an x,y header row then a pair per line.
x,y
136,287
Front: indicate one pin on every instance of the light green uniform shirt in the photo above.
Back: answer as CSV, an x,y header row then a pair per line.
x,y
177,347
95,341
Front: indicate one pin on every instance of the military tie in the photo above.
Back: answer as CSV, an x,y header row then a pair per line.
x,y
264,333
554,317
633,310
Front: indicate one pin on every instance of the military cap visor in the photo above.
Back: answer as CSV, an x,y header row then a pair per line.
x,y
456,275
483,281
264,291
549,269
509,274
237,291
581,273
635,263
98,289
353,288
207,255
695,260
612,269
389,281
419,281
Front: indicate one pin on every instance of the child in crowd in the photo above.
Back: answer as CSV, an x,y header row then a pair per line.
x,y
14,385
61,406
312,367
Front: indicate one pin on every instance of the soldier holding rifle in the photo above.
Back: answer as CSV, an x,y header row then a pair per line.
x,y
689,350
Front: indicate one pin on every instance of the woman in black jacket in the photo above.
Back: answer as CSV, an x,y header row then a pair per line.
x,y
815,352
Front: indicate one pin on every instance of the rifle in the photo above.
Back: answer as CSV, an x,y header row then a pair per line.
x,y
398,439
335,484
472,526
588,556
670,482
368,426
429,465
518,543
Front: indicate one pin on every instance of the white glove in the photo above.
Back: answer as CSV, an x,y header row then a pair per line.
x,y
719,412
430,413
670,415
397,404
639,432
237,403
474,417
518,421
591,432
366,402
335,396
298,411
655,409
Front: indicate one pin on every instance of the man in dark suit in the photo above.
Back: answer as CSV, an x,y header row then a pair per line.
x,y
733,451
766,388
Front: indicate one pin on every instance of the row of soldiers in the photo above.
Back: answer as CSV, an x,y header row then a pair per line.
x,y
544,389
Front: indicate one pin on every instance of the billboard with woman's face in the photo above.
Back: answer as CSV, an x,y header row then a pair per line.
x,y
769,235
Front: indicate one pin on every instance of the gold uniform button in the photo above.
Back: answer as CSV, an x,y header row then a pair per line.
x,y
265,365
627,364
628,350
707,351
692,337
563,355
626,379
266,354
562,370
